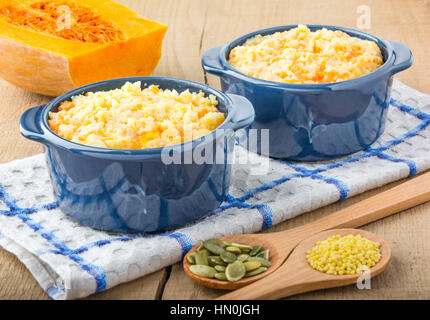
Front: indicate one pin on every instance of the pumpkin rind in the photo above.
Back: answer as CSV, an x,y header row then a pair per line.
x,y
50,65
33,69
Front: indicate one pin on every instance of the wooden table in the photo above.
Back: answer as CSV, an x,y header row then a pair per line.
x,y
195,25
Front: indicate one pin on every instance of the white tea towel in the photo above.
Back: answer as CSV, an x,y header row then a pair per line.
x,y
71,261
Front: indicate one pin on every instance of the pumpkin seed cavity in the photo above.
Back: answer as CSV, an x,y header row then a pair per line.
x,y
228,261
64,19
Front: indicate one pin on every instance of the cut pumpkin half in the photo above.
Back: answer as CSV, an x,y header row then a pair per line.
x,y
51,47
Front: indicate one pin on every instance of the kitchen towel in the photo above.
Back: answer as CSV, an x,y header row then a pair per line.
x,y
71,261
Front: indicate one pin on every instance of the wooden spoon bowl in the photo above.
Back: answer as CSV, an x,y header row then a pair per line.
x,y
276,259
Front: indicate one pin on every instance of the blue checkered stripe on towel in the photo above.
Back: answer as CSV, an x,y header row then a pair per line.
x,y
316,171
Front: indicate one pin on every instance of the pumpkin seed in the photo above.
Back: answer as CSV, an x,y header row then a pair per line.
x,y
216,260
255,272
225,260
191,258
201,258
243,257
232,249
263,262
208,252
241,246
213,248
228,257
220,268
255,249
263,254
221,276
215,241
202,248
203,271
235,271
252,265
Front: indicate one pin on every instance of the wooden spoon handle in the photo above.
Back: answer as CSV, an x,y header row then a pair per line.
x,y
404,196
274,286
279,285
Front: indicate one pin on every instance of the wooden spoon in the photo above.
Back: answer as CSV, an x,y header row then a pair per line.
x,y
297,276
404,196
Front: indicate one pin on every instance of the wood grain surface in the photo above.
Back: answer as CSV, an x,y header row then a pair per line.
x,y
196,25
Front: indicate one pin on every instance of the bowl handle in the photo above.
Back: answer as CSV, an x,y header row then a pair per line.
x,y
403,57
211,62
29,125
244,112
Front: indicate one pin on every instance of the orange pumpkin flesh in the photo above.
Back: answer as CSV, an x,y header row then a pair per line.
x,y
51,47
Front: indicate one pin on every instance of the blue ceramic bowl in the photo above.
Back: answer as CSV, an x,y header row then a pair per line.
x,y
315,121
144,190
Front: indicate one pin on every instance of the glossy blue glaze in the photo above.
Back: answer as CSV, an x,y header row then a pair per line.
x,y
137,190
315,121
